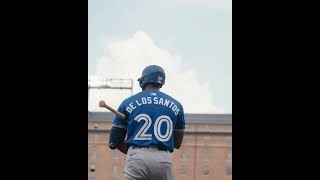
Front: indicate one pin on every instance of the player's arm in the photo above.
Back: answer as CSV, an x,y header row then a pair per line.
x,y
179,129
178,138
116,137
118,133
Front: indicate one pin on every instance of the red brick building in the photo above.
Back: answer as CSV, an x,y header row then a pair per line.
x,y
206,152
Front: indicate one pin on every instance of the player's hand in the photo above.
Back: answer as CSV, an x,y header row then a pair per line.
x,y
122,147
102,104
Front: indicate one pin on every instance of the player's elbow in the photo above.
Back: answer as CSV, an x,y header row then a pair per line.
x,y
177,146
112,146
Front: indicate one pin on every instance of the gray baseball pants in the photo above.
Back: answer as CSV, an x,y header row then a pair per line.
x,y
148,164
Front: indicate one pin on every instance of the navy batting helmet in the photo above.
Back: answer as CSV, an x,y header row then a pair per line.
x,y
152,74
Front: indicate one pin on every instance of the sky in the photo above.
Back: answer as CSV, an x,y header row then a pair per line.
x,y
190,39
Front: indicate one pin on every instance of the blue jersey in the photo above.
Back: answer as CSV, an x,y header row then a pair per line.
x,y
152,117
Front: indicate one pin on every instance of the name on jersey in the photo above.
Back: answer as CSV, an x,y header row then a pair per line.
x,y
153,100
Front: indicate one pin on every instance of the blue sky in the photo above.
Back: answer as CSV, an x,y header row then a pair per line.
x,y
198,31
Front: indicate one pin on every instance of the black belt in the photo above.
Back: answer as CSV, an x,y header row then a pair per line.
x,y
150,146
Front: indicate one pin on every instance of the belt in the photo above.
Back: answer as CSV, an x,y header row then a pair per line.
x,y
150,146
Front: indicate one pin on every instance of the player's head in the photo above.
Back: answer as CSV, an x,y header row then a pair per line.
x,y
152,74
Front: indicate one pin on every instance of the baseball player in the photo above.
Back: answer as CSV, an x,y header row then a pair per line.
x,y
153,126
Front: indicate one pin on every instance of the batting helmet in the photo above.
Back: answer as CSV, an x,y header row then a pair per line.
x,y
152,74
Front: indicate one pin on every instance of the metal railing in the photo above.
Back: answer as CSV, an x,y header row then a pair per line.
x,y
109,83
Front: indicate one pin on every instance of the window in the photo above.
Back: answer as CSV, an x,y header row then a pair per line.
x,y
206,139
115,154
96,138
229,171
229,157
229,141
183,171
206,155
184,140
205,171
115,169
107,138
183,156
94,153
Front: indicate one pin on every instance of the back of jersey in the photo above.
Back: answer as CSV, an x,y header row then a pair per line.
x,y
152,117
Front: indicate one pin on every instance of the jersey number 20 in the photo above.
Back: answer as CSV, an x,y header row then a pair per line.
x,y
141,135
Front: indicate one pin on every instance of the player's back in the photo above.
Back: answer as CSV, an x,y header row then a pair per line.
x,y
152,117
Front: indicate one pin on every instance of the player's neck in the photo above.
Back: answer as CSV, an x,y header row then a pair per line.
x,y
150,88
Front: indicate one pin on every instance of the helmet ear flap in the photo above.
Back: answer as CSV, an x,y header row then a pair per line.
x,y
140,81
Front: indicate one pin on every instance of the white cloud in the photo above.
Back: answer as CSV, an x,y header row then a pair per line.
x,y
214,4
127,59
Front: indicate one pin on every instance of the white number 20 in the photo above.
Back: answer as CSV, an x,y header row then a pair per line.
x,y
141,134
